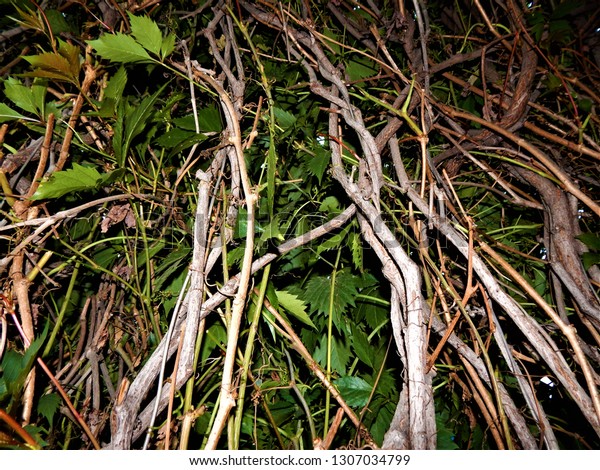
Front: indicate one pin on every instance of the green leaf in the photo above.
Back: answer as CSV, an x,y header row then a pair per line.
x,y
357,251
185,122
330,205
79,178
49,74
285,119
22,96
215,336
134,123
152,252
71,53
445,435
591,240
172,289
32,350
382,420
564,9
8,114
586,105
318,290
120,48
47,405
241,225
386,379
590,259
113,93
38,90
317,293
552,82
174,137
57,21
361,345
62,65
146,32
340,354
235,256
209,119
179,139
167,46
136,119
36,433
11,367
272,230
30,19
80,228
295,306
354,390
336,41
105,257
4,393
174,262
15,367
360,68
271,170
317,164
116,85
333,242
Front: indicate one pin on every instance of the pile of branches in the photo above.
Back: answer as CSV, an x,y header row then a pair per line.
x,y
457,295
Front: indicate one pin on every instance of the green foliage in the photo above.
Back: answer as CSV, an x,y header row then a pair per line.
x,y
293,305
63,65
317,162
445,436
120,47
48,406
338,351
592,241
362,347
30,99
132,120
117,271
14,369
355,390
8,114
345,290
284,118
147,33
78,178
145,38
113,93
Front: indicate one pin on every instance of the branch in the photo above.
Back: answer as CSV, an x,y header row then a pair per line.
x,y
131,402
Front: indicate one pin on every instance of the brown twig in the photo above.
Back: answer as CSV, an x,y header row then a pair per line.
x,y
45,152
532,149
90,76
568,331
8,419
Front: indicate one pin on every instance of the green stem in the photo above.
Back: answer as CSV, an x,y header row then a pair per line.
x,y
239,412
63,310
146,291
92,264
6,189
330,342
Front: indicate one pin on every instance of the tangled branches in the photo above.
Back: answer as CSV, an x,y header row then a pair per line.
x,y
456,144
